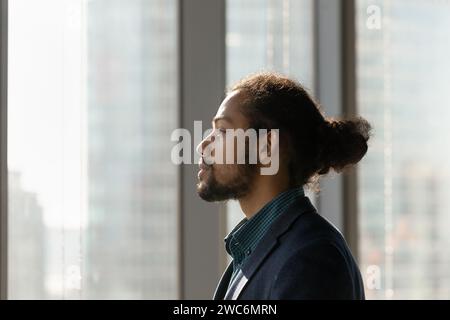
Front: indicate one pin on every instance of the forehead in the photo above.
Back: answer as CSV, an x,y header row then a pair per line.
x,y
231,107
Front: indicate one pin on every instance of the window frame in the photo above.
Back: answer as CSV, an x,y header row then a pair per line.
x,y
335,36
202,224
3,148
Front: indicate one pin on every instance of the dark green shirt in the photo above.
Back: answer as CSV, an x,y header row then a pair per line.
x,y
242,240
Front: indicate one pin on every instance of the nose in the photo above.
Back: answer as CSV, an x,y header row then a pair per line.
x,y
202,145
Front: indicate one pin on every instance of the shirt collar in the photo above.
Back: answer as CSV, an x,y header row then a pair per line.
x,y
244,237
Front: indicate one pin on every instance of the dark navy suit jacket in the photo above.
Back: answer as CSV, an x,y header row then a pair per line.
x,y
302,256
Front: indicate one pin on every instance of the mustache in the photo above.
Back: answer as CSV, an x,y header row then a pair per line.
x,y
203,165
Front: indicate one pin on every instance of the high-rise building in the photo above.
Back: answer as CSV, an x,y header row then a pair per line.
x,y
131,242
28,259
403,69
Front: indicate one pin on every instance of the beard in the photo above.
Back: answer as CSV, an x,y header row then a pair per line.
x,y
238,186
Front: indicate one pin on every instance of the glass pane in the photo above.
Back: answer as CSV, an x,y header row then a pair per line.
x,y
92,191
268,35
403,74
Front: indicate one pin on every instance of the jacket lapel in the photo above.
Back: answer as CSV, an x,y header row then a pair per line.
x,y
266,245
223,283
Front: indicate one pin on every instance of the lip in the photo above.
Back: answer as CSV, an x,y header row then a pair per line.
x,y
200,173
203,168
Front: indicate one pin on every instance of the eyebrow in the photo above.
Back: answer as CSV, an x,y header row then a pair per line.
x,y
225,118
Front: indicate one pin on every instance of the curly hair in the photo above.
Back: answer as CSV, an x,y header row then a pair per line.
x,y
315,144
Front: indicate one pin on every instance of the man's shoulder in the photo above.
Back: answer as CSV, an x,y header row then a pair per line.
x,y
310,227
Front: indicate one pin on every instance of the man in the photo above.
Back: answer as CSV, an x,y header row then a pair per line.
x,y
282,249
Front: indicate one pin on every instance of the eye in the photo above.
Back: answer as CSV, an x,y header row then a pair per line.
x,y
221,131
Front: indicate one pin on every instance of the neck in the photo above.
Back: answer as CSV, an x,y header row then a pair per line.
x,y
265,189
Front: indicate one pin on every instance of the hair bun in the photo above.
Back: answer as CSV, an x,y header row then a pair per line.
x,y
344,143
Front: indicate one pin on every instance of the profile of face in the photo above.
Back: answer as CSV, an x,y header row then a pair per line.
x,y
224,181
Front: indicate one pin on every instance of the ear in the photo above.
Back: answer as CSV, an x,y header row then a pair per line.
x,y
270,154
268,142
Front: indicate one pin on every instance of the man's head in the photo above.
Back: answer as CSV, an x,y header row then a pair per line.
x,y
309,144
224,181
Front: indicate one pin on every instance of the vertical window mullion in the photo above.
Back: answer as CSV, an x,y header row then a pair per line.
x,y
3,147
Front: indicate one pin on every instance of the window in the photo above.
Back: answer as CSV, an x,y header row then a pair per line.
x,y
268,35
403,75
92,191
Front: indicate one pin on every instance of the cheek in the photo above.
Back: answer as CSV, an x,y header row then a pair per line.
x,y
233,151
225,172
226,149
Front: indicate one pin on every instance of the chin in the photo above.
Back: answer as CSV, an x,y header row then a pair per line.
x,y
204,194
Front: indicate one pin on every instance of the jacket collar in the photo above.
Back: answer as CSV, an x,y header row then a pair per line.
x,y
240,242
262,250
